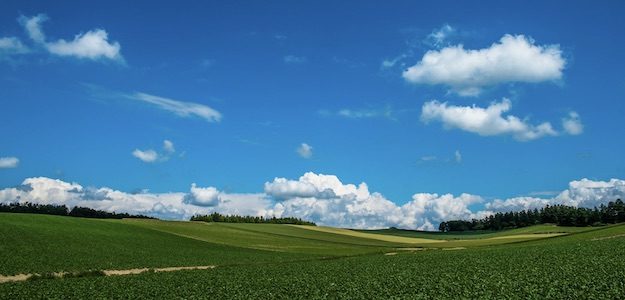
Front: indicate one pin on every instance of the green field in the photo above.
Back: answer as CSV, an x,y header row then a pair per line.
x,y
284,261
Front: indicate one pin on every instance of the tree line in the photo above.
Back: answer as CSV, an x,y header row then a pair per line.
x,y
560,215
62,210
217,217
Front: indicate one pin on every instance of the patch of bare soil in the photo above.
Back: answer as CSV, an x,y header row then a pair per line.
x,y
608,237
13,278
24,277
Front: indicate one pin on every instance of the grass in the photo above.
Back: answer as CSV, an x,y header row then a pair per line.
x,y
580,265
543,228
279,261
270,237
42,243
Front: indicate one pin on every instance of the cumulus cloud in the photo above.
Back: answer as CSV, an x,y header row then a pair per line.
x,y
581,193
179,108
292,59
151,155
199,196
321,198
573,124
163,205
304,150
513,59
325,199
145,156
487,121
517,203
9,162
93,44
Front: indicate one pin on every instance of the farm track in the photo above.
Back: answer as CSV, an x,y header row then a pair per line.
x,y
24,277
135,271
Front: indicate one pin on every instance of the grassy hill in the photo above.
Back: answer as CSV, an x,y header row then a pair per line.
x,y
284,261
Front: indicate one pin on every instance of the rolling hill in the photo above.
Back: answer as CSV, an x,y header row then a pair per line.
x,y
287,261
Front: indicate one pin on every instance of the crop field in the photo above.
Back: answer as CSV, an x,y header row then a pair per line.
x,y
283,261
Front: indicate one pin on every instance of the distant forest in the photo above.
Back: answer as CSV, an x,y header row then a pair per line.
x,y
560,215
62,210
217,217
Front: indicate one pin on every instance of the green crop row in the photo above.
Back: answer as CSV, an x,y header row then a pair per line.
x,y
588,265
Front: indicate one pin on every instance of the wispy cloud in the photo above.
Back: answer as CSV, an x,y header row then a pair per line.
x,y
292,59
168,146
9,162
12,45
440,36
304,150
458,156
437,38
179,108
430,159
32,26
386,112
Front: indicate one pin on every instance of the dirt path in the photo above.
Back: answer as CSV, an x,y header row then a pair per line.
x,y
18,277
608,237
24,277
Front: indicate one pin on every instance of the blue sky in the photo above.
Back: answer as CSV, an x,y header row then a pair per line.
x,y
329,74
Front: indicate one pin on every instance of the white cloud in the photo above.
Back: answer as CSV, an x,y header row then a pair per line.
x,y
439,36
386,112
151,155
292,59
93,44
321,198
573,124
9,162
304,150
33,27
326,200
458,156
391,62
12,45
148,156
581,193
199,196
487,121
164,205
466,72
168,146
428,158
180,108
517,204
